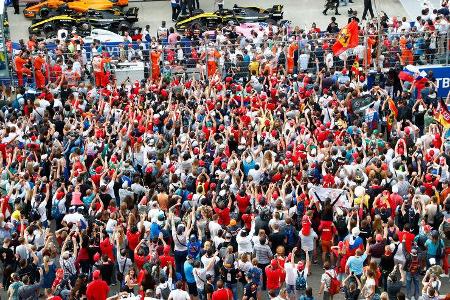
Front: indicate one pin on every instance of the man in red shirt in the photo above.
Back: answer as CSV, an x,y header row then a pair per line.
x,y
97,289
407,236
328,231
222,293
139,256
133,235
275,276
166,259
243,201
222,212
106,247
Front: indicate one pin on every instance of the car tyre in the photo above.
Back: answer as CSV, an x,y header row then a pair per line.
x,y
48,28
123,26
44,12
271,21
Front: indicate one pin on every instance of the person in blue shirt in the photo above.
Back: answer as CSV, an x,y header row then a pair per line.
x,y
194,246
355,263
435,248
189,273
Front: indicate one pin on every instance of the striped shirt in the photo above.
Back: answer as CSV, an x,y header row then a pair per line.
x,y
68,265
263,254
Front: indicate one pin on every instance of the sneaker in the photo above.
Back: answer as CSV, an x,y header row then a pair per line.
x,y
324,12
337,14
443,275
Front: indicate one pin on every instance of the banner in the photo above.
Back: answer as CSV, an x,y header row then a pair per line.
x,y
318,193
442,75
359,104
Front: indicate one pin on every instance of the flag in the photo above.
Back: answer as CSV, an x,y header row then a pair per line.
x,y
393,107
442,115
411,73
347,38
393,115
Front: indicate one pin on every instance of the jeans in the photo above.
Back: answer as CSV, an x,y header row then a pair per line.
x,y
345,2
263,268
412,277
180,258
201,294
233,288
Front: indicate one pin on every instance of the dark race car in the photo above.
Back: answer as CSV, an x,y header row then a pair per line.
x,y
113,20
209,21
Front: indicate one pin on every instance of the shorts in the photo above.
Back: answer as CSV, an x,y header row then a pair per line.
x,y
192,289
326,246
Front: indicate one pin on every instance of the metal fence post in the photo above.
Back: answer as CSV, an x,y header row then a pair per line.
x,y
446,45
206,60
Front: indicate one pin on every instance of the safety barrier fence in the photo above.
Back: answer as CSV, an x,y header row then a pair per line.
x,y
291,54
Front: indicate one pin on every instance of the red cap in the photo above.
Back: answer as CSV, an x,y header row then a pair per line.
x,y
223,165
96,274
301,265
98,170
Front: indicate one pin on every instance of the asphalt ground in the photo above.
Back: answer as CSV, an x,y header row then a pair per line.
x,y
300,12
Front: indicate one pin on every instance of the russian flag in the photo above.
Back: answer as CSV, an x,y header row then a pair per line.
x,y
411,73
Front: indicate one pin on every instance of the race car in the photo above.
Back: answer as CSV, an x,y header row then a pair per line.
x,y
42,8
112,20
208,21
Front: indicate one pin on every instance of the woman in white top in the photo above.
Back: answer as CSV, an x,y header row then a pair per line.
x,y
368,289
180,235
244,240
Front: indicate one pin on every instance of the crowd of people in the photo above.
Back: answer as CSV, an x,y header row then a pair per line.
x,y
237,183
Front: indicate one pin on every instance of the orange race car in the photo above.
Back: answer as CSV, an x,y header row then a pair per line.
x,y
42,8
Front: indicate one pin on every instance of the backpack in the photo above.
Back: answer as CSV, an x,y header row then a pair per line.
x,y
421,239
165,292
56,214
414,265
341,225
291,235
438,217
335,285
300,282
190,184
34,214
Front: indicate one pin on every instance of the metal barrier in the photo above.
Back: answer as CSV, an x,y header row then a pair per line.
x,y
292,53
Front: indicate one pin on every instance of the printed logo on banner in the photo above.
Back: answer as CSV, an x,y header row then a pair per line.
x,y
442,75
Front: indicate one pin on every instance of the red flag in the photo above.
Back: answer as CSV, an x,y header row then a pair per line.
x,y
347,38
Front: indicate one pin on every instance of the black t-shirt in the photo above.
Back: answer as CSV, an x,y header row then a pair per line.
x,y
209,289
277,239
107,271
7,256
31,270
250,290
351,295
229,275
105,198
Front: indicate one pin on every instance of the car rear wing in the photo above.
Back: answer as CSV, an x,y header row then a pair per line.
x,y
276,12
132,12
